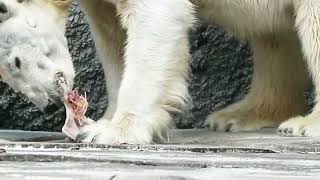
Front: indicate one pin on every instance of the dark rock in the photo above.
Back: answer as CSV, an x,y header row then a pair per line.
x,y
220,73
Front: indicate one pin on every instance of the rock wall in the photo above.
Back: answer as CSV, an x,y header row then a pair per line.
x,y
220,72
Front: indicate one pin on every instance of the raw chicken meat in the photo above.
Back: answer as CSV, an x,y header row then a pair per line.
x,y
76,108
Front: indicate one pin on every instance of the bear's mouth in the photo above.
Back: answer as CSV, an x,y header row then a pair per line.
x,y
62,85
59,92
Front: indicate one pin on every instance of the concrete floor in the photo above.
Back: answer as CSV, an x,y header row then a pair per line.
x,y
190,154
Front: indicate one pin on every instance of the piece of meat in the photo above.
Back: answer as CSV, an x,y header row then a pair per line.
x,y
76,107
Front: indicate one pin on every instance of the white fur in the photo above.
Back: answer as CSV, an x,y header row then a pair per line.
x,y
144,48
279,78
109,40
275,95
301,126
33,32
276,30
156,58
308,26
151,85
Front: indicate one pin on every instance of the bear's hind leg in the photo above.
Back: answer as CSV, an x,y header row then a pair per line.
x,y
276,92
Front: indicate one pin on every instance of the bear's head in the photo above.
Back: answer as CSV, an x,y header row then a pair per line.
x,y
34,55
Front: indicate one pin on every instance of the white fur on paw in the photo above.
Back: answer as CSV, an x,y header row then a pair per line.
x,y
301,126
90,131
106,132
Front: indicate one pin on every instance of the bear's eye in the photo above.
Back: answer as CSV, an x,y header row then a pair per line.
x,y
17,62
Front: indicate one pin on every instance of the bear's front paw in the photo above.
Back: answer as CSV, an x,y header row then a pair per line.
x,y
116,132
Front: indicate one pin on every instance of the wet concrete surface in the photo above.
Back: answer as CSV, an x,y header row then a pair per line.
x,y
190,154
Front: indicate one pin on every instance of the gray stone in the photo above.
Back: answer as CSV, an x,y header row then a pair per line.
x,y
192,140
191,154
37,136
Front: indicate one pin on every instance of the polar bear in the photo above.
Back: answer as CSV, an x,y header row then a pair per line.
x,y
144,50
33,49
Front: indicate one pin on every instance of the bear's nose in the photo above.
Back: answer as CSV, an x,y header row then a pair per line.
x,y
4,12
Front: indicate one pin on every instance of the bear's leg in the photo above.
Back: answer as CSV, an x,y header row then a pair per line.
x,y
109,39
155,70
276,92
308,27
